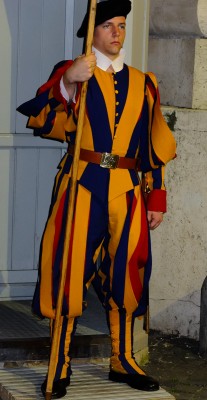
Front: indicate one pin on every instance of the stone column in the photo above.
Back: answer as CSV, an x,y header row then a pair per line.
x,y
178,57
178,51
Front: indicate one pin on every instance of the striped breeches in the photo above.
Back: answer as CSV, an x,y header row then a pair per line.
x,y
120,229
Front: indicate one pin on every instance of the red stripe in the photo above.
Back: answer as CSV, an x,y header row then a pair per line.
x,y
152,89
55,77
58,226
139,257
54,82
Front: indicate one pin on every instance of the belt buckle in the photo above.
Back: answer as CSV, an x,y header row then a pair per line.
x,y
109,160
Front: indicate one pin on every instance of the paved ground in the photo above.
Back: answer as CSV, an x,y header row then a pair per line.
x,y
177,364
174,361
89,382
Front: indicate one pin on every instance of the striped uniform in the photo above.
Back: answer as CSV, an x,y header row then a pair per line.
x,y
122,117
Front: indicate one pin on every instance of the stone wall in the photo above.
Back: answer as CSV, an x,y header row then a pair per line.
x,y
178,56
178,51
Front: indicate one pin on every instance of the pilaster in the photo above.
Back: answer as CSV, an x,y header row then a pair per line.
x,y
178,51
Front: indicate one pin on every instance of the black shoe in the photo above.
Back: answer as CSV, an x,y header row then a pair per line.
x,y
58,389
136,381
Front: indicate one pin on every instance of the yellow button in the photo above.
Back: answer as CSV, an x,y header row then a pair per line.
x,y
117,114
116,125
115,82
116,91
117,103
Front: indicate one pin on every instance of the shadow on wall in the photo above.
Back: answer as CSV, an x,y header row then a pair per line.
x,y
180,317
1,284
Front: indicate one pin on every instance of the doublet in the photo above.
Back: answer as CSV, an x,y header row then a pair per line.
x,y
122,117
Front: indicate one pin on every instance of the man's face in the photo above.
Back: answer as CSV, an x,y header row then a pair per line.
x,y
109,36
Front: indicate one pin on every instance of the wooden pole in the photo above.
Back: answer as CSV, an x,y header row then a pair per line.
x,y
58,318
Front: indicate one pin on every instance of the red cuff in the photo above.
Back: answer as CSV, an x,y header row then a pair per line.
x,y
157,200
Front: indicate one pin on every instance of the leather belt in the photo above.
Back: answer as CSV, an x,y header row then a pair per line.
x,y
105,160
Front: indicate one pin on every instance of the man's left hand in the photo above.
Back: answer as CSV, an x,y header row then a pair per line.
x,y
154,218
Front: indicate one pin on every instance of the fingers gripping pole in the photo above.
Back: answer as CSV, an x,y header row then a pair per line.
x,y
58,319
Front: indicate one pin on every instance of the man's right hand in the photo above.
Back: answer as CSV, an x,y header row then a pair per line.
x,y
81,70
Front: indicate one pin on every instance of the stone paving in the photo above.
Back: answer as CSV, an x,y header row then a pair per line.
x,y
174,361
89,381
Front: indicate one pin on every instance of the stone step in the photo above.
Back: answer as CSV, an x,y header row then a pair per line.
x,y
25,337
89,381
86,346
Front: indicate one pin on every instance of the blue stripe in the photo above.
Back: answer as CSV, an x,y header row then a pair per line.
x,y
144,139
122,78
56,271
98,117
122,333
34,106
120,261
61,355
122,357
157,178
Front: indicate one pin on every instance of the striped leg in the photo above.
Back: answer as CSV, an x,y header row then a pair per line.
x,y
123,367
88,231
63,369
126,265
125,273
121,327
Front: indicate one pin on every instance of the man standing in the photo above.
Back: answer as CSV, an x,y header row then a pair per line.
x,y
124,131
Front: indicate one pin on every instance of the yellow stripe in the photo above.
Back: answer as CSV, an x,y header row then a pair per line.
x,y
78,251
163,141
87,136
39,121
46,258
58,345
133,107
67,346
163,177
128,345
58,130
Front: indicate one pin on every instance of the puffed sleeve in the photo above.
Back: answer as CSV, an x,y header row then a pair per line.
x,y
49,111
161,148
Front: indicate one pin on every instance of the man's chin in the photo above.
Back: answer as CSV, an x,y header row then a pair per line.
x,y
115,50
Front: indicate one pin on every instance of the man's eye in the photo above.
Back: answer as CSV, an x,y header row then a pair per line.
x,y
106,26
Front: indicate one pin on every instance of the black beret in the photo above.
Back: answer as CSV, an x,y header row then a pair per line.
x,y
106,9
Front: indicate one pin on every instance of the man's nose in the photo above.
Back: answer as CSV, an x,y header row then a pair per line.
x,y
116,31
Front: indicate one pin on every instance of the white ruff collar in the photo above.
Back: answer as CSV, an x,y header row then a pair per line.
x,y
103,62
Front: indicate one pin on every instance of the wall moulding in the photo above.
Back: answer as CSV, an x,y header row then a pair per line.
x,y
176,18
